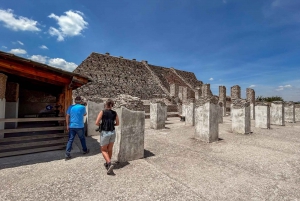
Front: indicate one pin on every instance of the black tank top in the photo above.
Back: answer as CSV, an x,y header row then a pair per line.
x,y
108,120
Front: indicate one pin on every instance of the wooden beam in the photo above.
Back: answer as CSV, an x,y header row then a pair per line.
x,y
33,144
31,72
33,137
29,151
21,130
33,119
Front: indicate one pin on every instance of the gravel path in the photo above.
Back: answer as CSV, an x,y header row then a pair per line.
x,y
264,165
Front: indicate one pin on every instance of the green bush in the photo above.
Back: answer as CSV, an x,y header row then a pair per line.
x,y
269,99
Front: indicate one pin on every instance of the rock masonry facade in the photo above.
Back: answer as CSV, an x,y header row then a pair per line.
x,y
112,76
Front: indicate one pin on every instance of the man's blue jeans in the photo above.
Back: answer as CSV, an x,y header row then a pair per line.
x,y
72,134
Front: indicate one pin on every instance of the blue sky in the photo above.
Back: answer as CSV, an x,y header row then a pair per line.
x,y
251,43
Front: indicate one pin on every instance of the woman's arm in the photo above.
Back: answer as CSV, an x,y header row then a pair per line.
x,y
117,121
99,118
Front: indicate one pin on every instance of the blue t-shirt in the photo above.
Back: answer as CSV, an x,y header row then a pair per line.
x,y
76,113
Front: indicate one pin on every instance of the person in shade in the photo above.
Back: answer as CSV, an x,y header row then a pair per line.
x,y
75,125
109,119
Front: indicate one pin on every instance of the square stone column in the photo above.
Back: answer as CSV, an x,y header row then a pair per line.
x,y
130,135
174,88
165,108
297,112
277,113
206,120
262,116
190,114
222,98
180,93
241,121
220,113
235,92
183,109
93,110
157,116
3,79
206,92
198,93
250,93
289,112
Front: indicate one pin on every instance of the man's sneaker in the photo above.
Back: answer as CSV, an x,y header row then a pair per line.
x,y
86,152
110,168
106,166
67,157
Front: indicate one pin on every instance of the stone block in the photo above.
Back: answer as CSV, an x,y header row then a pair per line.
x,y
235,92
130,135
180,93
157,116
289,112
252,110
297,112
190,114
241,121
11,111
206,122
220,113
277,113
262,116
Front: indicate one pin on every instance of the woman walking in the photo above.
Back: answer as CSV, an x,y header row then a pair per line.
x,y
109,119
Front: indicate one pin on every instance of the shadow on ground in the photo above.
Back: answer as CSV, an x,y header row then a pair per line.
x,y
48,156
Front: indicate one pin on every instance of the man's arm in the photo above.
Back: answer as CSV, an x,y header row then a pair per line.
x,y
67,121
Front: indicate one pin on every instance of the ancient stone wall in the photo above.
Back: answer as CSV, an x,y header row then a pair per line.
x,y
188,77
206,92
112,76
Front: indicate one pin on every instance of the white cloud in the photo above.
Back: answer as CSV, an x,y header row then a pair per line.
x,y
44,47
211,79
252,86
224,1
281,88
17,23
4,47
61,63
17,51
71,24
39,58
20,42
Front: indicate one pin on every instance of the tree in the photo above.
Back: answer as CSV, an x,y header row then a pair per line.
x,y
269,99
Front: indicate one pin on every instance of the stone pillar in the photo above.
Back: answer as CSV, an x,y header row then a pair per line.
x,y
130,135
174,89
222,98
12,103
180,93
184,94
190,114
277,113
235,92
206,120
93,110
198,93
250,93
262,116
165,108
289,112
206,92
183,109
297,112
241,121
3,79
157,116
221,112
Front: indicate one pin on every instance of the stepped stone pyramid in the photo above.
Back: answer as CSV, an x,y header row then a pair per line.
x,y
112,76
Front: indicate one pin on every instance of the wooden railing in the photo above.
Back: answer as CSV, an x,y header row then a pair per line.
x,y
35,141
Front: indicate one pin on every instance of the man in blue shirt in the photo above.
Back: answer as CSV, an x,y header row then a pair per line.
x,y
75,125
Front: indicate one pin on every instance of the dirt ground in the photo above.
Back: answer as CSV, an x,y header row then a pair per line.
x,y
264,165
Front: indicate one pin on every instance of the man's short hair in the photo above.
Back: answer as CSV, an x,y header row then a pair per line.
x,y
78,99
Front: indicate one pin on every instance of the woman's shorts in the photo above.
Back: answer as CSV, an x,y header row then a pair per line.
x,y
107,137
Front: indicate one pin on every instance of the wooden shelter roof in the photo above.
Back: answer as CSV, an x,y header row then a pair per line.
x,y
12,64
